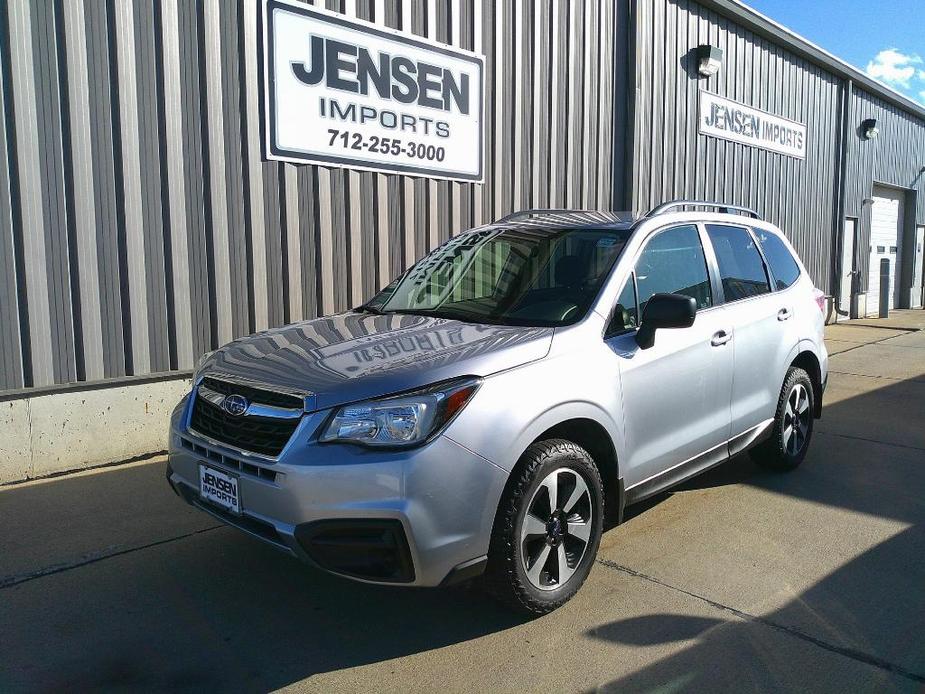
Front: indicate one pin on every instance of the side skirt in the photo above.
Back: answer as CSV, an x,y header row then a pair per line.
x,y
699,463
752,437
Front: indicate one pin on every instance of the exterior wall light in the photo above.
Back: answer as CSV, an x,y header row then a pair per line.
x,y
870,129
709,60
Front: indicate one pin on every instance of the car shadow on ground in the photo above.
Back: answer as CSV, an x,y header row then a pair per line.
x,y
219,610
871,609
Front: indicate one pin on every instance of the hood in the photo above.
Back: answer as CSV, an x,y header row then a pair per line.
x,y
354,356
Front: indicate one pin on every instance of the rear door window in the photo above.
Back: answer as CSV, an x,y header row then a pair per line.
x,y
783,266
740,265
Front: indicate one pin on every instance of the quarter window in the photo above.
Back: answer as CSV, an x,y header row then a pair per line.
x,y
624,313
740,265
783,266
673,262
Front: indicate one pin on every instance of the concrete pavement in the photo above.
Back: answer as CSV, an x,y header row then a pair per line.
x,y
739,580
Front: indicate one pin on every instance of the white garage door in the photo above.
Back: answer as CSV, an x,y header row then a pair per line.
x,y
885,217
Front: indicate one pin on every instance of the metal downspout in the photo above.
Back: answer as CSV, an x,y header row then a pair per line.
x,y
839,226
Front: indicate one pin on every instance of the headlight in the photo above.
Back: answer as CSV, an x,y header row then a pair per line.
x,y
405,420
199,364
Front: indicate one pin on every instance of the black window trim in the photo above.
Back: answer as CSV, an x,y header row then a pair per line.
x,y
767,269
716,280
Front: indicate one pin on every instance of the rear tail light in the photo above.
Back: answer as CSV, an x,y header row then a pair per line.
x,y
819,296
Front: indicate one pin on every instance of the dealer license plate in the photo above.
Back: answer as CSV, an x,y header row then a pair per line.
x,y
219,488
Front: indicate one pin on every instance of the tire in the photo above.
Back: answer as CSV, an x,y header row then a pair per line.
x,y
790,439
528,532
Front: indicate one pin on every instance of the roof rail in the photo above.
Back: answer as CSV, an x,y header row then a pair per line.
x,y
725,209
529,213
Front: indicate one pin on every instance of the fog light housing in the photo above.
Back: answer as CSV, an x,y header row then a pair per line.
x,y
372,549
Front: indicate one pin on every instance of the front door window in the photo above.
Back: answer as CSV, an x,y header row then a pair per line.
x,y
673,262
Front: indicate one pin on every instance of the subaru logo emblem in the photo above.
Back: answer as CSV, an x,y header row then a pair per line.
x,y
235,405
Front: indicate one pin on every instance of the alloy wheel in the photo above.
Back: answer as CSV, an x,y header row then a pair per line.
x,y
556,529
796,420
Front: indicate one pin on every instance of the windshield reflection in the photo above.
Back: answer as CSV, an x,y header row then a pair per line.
x,y
521,276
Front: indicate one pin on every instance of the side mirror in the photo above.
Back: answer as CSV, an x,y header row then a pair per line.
x,y
665,311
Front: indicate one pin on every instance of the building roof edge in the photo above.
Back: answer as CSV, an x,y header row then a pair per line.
x,y
767,27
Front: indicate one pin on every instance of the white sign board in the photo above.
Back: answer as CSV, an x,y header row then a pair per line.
x,y
731,120
343,92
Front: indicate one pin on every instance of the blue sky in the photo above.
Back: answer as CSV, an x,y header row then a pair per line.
x,y
884,38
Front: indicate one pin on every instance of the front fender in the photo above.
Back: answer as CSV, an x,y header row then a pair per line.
x,y
500,428
557,415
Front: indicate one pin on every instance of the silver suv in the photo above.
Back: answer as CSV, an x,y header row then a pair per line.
x,y
491,411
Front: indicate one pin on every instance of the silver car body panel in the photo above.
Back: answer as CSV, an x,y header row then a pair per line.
x,y
354,356
430,490
669,412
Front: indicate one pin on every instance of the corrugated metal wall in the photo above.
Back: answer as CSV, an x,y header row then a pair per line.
x,y
671,160
139,225
894,158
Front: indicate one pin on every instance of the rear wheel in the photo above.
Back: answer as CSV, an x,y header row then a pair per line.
x,y
793,424
548,528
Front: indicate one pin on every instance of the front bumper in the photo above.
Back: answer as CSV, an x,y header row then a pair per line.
x,y
414,517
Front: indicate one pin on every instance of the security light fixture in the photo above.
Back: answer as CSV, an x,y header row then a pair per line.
x,y
870,129
709,60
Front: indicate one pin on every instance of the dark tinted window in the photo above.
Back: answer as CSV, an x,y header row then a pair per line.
x,y
740,264
783,266
673,263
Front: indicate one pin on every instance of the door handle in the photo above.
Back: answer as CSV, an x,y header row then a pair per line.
x,y
784,314
720,338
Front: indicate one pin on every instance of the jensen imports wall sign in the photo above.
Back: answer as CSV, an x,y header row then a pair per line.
x,y
731,120
343,92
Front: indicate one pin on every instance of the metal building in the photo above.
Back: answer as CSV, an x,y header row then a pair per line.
x,y
143,222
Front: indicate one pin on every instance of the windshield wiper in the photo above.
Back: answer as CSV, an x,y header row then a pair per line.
x,y
474,318
449,315
366,308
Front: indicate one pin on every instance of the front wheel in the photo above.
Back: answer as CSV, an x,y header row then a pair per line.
x,y
793,424
547,529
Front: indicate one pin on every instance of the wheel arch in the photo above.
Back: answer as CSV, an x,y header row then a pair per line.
x,y
591,434
594,438
809,362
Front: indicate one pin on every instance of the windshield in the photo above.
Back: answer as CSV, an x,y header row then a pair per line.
x,y
536,277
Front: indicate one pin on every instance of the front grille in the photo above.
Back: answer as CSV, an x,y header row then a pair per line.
x,y
226,461
258,395
263,435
